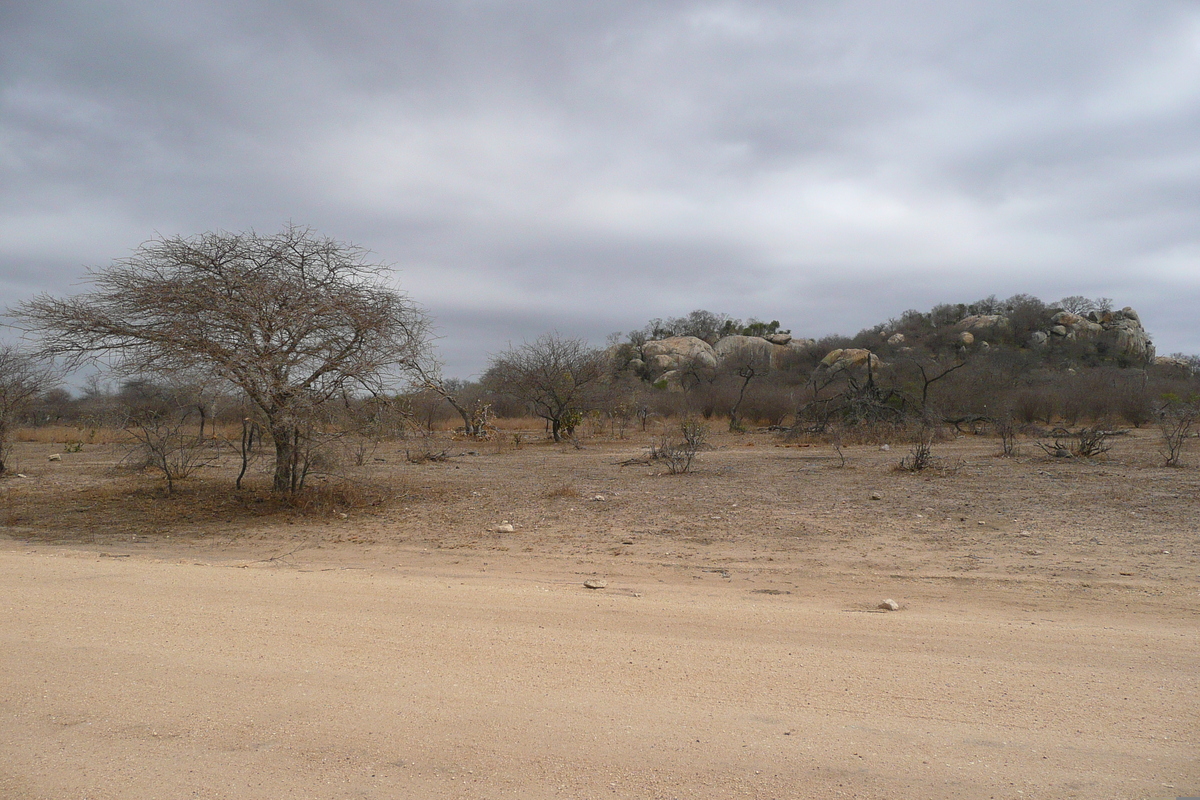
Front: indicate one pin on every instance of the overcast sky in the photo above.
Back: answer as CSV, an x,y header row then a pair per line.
x,y
530,165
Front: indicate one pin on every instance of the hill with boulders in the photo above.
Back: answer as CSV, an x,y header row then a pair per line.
x,y
1069,360
1096,335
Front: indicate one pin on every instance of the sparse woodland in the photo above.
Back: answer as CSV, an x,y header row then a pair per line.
x,y
213,346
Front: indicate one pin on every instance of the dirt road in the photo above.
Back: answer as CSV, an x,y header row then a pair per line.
x,y
407,673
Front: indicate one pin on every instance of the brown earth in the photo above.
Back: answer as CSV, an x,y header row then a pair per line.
x,y
213,645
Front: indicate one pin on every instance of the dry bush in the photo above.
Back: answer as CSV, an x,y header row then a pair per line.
x,y
1175,422
563,490
165,441
1087,442
425,450
920,456
680,456
1093,441
1035,404
1006,428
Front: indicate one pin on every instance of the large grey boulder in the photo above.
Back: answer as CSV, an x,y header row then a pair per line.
x,y
753,348
851,357
1123,328
671,380
678,352
801,345
1076,324
1132,338
981,322
1173,363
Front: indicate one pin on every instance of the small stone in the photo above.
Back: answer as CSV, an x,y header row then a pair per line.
x,y
22,475
55,457
889,605
505,528
885,447
595,583
1024,534
876,496
1033,552
598,498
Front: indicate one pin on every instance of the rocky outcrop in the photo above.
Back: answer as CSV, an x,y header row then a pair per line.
x,y
851,357
1170,362
1122,328
678,352
755,350
745,346
667,361
800,345
982,322
1132,338
1074,324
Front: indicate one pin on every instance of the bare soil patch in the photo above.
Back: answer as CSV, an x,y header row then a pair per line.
x,y
393,638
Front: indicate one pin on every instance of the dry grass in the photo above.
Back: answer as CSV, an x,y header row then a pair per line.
x,y
82,434
563,490
70,434
125,503
519,424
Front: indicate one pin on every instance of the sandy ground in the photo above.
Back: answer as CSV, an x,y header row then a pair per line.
x,y
198,646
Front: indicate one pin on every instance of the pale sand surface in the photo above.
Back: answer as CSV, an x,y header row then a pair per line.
x,y
449,662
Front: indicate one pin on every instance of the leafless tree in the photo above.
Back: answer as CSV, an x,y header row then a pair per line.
x,y
1077,304
931,372
1175,421
746,366
463,397
22,378
292,320
552,375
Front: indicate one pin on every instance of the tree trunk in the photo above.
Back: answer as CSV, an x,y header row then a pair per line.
x,y
285,458
555,429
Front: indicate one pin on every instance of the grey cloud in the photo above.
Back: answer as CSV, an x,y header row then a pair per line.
x,y
531,165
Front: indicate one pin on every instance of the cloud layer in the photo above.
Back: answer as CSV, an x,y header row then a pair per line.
x,y
529,166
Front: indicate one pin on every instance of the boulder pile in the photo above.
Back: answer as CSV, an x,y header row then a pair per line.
x,y
668,360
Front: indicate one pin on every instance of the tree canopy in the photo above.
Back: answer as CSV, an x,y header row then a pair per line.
x,y
552,375
291,320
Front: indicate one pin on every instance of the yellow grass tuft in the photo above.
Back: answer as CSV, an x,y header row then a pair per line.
x,y
563,490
